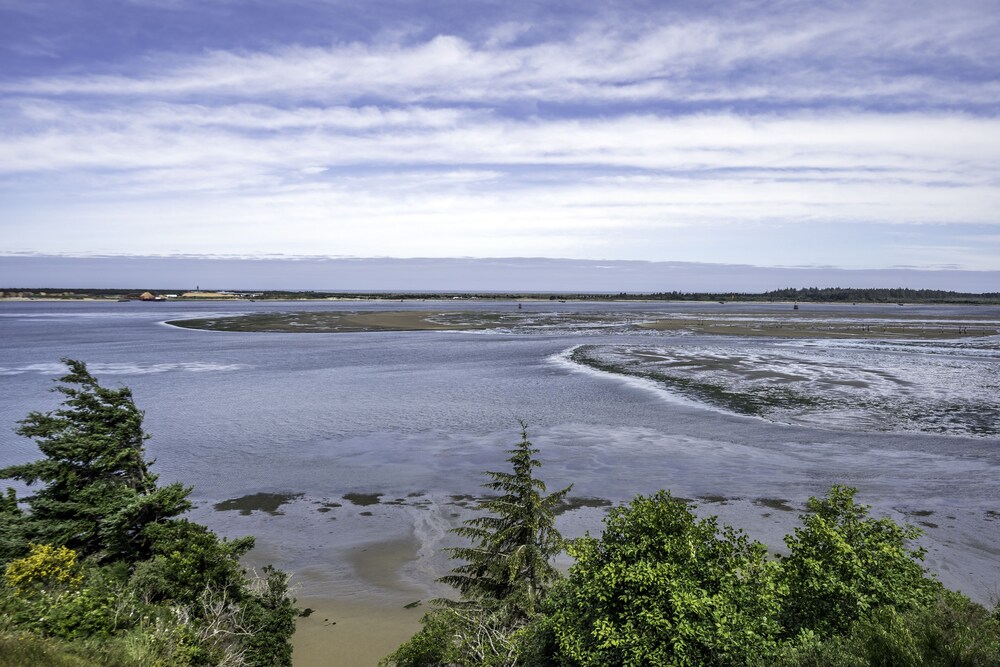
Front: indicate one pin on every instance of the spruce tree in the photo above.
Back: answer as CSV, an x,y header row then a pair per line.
x,y
508,564
98,495
505,575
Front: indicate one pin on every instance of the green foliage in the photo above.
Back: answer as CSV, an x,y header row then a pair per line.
x,y
505,575
98,495
188,558
514,542
148,588
663,588
13,540
271,615
49,593
953,631
434,644
844,564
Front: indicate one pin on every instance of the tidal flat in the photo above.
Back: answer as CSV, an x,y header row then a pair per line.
x,y
839,325
870,385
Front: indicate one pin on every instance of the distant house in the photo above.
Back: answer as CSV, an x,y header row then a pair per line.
x,y
147,296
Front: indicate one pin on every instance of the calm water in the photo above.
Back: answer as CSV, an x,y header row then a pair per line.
x,y
417,415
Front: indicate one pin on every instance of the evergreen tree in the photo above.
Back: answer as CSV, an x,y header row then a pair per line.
x,y
148,580
98,495
514,542
505,576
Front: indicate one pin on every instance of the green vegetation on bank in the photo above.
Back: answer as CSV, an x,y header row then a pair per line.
x,y
663,587
100,569
845,295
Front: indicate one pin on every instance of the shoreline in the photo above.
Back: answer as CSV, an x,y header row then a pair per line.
x,y
356,630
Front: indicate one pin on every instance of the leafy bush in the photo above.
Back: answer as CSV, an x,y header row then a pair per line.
x,y
270,616
664,588
186,559
44,569
953,631
844,565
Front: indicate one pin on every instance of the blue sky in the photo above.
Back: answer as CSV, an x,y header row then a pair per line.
x,y
856,135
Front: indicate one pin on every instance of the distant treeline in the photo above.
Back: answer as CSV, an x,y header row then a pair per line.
x,y
804,294
830,294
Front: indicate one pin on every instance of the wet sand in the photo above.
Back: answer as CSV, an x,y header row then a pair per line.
x,y
779,325
327,322
839,326
360,631
342,633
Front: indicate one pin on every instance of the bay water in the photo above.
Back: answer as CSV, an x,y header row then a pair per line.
x,y
408,421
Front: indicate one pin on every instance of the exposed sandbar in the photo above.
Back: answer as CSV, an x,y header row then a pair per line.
x,y
329,322
839,326
780,325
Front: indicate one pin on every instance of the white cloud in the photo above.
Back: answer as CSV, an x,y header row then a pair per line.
x,y
807,55
616,132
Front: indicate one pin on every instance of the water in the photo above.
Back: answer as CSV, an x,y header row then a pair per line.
x,y
416,416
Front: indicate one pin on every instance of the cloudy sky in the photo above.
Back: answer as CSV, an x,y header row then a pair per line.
x,y
858,135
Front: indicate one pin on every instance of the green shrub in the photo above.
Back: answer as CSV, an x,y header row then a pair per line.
x,y
844,565
953,631
664,588
112,569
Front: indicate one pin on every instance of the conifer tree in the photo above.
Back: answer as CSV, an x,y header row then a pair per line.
x,y
98,494
513,543
504,578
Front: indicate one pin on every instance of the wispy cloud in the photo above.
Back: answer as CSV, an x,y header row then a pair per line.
x,y
629,132
813,57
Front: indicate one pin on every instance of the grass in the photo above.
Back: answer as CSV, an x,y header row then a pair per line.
x,y
20,649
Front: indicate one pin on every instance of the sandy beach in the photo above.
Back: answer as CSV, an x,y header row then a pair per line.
x,y
341,633
359,631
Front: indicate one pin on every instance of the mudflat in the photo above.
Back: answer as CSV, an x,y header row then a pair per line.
x,y
327,322
841,326
775,325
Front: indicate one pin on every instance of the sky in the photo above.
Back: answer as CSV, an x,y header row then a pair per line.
x,y
817,134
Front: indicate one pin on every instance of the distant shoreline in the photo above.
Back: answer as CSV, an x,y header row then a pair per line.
x,y
829,295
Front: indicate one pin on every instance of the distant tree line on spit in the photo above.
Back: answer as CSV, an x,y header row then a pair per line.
x,y
803,294
825,295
